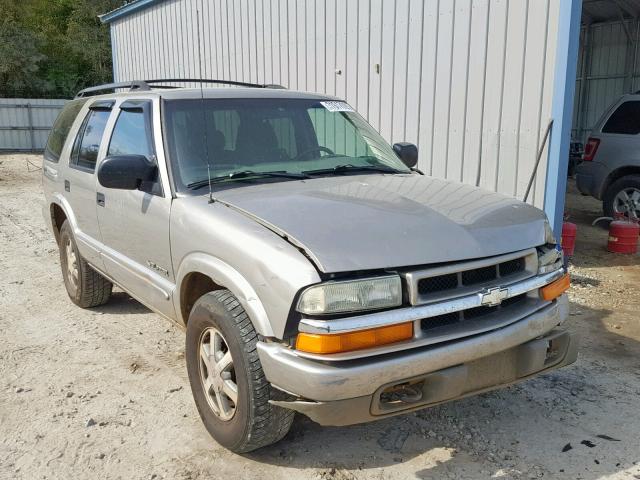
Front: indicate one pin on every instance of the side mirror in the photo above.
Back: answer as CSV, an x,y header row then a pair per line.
x,y
407,152
126,172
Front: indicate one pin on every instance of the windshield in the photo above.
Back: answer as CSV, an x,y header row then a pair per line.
x,y
285,136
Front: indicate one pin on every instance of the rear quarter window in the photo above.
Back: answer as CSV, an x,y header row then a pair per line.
x,y
60,129
625,120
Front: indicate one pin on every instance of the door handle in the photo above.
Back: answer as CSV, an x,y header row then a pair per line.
x,y
67,186
100,199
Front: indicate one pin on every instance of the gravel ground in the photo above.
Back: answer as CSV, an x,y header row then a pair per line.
x,y
104,392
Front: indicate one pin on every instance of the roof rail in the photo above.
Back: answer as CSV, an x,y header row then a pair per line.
x,y
147,85
131,85
217,81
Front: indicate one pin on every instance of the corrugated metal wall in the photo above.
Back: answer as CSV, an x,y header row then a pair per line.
x,y
25,123
607,69
469,81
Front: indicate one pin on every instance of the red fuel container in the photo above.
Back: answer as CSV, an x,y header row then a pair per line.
x,y
623,237
568,241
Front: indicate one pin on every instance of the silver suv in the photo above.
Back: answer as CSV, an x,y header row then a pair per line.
x,y
314,268
610,170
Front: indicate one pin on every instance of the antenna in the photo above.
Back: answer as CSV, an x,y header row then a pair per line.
x,y
204,116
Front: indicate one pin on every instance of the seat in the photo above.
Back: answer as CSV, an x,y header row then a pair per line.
x,y
257,142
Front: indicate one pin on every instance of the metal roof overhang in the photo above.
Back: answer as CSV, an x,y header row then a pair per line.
x,y
128,9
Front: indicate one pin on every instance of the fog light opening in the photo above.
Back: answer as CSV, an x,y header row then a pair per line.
x,y
402,394
553,351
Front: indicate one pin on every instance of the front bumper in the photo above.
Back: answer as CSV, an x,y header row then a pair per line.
x,y
342,393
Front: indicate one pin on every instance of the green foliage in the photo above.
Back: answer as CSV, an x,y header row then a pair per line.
x,y
53,48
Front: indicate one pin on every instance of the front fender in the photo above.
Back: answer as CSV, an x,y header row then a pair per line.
x,y
225,275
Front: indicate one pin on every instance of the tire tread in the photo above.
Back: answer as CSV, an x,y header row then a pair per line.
x,y
267,423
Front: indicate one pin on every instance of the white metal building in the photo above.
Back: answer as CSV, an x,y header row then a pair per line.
x,y
474,83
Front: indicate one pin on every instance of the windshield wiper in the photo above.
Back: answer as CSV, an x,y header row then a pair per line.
x,y
353,168
245,174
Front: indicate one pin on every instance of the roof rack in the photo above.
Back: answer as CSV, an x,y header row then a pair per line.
x,y
148,84
131,85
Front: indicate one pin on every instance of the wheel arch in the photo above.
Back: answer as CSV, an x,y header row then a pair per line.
x,y
59,211
617,174
200,273
58,217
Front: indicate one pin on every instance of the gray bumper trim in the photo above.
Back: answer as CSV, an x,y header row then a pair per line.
x,y
459,381
341,380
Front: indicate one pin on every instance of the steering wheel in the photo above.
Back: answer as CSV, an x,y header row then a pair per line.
x,y
319,148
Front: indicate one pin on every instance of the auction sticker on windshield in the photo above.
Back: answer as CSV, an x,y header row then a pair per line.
x,y
337,106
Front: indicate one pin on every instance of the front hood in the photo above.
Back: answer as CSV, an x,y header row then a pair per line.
x,y
370,222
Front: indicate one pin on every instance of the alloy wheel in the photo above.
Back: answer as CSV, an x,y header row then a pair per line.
x,y
72,263
627,202
217,374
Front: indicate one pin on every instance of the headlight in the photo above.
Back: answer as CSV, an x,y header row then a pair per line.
x,y
549,259
351,296
549,237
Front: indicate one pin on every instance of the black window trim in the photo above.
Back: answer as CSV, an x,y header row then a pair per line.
x,y
73,156
99,106
102,105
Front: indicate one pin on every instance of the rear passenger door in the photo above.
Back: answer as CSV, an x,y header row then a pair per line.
x,y
80,180
135,223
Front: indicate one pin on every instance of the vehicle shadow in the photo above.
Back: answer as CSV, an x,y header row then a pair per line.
x,y
548,425
122,303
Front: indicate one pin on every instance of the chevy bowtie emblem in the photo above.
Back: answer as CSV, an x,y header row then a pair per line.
x,y
494,296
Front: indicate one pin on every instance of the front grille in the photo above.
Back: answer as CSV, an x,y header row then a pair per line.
x,y
511,267
437,284
480,275
430,286
449,319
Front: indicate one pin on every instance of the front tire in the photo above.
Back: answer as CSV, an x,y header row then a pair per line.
x,y
229,387
86,287
623,197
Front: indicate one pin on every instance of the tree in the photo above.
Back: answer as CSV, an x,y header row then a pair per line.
x,y
19,59
53,48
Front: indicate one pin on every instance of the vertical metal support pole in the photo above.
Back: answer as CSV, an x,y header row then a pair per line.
x,y
562,111
636,22
581,107
31,129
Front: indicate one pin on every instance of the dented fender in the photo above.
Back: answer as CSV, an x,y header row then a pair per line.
x,y
225,275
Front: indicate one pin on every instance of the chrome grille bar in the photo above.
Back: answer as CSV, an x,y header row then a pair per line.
x,y
412,314
465,278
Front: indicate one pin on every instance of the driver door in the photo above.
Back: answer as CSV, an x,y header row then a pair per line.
x,y
135,223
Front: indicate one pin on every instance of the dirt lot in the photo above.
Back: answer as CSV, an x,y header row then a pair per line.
x,y
104,392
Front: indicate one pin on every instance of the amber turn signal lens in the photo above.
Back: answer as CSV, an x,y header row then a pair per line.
x,y
555,289
347,342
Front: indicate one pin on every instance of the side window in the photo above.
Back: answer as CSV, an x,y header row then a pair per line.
x,y
625,120
87,143
130,135
60,129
